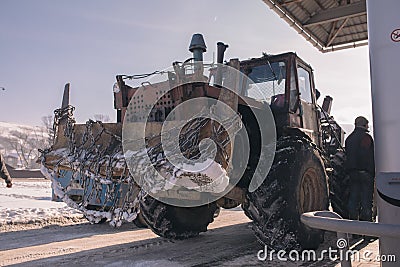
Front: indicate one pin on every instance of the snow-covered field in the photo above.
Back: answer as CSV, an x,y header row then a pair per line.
x,y
29,201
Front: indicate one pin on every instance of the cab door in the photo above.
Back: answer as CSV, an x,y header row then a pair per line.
x,y
308,107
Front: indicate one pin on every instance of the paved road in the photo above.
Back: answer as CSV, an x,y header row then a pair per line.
x,y
229,242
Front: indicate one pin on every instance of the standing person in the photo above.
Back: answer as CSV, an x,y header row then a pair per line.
x,y
4,173
360,166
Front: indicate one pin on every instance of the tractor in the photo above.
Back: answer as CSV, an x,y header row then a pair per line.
x,y
274,151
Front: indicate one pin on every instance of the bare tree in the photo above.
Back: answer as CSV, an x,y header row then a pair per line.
x,y
26,144
101,117
19,142
48,122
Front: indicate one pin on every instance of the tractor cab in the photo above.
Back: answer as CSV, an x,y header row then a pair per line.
x,y
287,83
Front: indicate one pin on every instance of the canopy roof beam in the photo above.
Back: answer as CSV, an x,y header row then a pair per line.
x,y
337,13
335,33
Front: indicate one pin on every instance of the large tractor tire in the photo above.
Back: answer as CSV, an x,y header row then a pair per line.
x,y
296,183
176,222
339,185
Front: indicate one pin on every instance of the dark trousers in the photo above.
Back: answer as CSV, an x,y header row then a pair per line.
x,y
361,196
3,170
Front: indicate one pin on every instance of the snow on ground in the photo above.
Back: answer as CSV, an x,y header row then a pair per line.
x,y
29,201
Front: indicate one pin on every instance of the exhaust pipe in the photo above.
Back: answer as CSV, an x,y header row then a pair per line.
x,y
198,47
221,47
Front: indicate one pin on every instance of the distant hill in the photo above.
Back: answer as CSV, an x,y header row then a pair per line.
x,y
7,127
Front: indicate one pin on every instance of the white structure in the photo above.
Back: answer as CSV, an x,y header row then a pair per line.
x,y
384,47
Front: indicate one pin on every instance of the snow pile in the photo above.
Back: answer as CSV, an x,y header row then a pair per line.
x,y
210,177
155,173
30,202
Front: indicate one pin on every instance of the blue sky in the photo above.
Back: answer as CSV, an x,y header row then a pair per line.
x,y
45,43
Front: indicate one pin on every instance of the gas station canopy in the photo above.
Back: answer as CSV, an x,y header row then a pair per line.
x,y
329,25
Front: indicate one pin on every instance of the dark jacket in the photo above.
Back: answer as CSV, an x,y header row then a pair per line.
x,y
360,151
3,170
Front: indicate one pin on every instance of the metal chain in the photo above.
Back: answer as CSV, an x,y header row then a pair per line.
x,y
86,161
94,166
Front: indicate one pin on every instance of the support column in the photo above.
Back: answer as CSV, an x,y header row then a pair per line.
x,y
384,52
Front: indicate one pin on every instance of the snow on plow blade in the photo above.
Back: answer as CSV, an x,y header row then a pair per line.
x,y
90,171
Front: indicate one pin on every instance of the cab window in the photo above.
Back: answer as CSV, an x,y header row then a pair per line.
x,y
267,82
304,84
293,90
